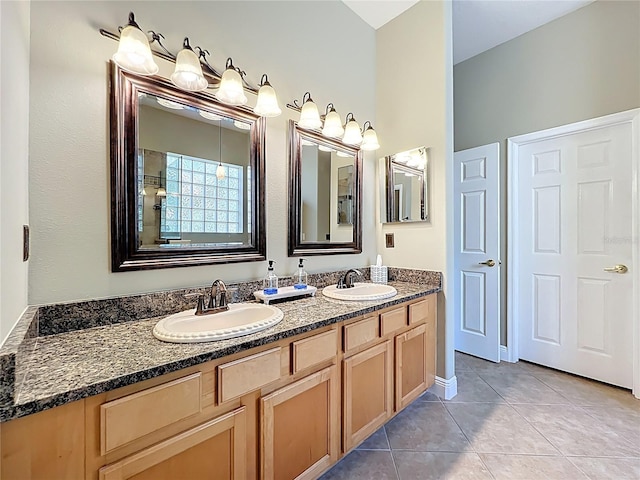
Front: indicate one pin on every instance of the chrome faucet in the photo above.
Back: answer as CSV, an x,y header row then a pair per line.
x,y
217,299
347,280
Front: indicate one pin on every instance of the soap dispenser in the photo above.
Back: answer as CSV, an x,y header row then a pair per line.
x,y
301,277
270,282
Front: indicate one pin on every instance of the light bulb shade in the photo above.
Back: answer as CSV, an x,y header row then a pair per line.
x,y
267,103
370,140
161,192
209,115
309,116
134,53
352,134
169,103
332,125
220,172
241,125
324,148
188,72
231,91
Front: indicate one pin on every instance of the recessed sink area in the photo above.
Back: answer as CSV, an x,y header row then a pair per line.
x,y
360,292
241,319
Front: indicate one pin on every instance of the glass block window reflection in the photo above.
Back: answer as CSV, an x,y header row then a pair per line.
x,y
197,201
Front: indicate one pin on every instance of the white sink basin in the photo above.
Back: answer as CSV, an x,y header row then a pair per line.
x,y
241,319
360,291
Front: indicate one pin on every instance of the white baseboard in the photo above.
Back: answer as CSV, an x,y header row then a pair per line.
x,y
504,354
445,388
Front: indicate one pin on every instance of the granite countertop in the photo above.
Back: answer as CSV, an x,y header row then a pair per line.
x,y
61,368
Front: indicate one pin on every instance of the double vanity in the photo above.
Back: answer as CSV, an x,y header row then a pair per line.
x,y
284,402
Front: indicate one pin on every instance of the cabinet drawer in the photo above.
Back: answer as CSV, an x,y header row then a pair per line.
x,y
423,310
314,350
134,416
248,374
393,320
360,333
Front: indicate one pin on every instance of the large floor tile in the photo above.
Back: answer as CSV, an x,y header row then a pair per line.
x,y
584,392
377,441
522,388
495,428
528,467
608,468
440,465
428,396
472,388
574,432
363,465
624,421
426,427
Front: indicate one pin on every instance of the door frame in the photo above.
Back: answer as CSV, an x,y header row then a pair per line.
x,y
631,117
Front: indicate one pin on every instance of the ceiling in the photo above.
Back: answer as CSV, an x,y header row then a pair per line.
x,y
478,25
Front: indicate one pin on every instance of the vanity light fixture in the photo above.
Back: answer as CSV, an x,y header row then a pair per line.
x,y
188,72
352,133
332,123
267,103
241,125
209,115
369,138
161,192
192,72
231,90
169,103
220,172
134,53
309,115
324,148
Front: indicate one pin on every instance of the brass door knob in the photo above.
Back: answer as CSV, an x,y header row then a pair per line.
x,y
617,269
488,263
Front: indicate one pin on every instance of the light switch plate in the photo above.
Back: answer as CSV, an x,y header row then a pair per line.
x,y
25,243
389,242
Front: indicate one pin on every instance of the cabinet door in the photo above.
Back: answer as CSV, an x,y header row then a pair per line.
x,y
215,449
301,427
411,365
368,393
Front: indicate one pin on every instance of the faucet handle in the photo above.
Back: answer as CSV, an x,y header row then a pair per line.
x,y
200,306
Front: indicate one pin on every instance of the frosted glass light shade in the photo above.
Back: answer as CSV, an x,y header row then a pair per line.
x,y
209,115
188,72
169,104
241,125
324,148
370,140
343,154
220,172
231,91
267,103
352,135
134,54
332,125
309,116
161,192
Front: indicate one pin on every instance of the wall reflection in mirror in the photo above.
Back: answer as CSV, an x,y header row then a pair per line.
x,y
404,195
324,202
194,177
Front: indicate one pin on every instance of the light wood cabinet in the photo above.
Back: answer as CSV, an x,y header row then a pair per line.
x,y
411,365
280,411
215,449
367,393
300,427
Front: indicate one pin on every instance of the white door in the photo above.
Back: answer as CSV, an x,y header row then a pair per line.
x,y
573,215
477,247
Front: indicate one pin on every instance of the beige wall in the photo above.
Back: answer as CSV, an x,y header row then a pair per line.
x,y
583,65
301,45
413,108
14,159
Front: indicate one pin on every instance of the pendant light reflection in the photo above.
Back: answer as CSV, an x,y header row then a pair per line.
x,y
231,91
267,103
309,115
169,103
220,171
134,53
188,72
352,134
332,123
209,115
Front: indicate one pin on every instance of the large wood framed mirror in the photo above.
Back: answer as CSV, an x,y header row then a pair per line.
x,y
325,195
187,177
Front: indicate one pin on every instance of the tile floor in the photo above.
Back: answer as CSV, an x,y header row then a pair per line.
x,y
508,421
